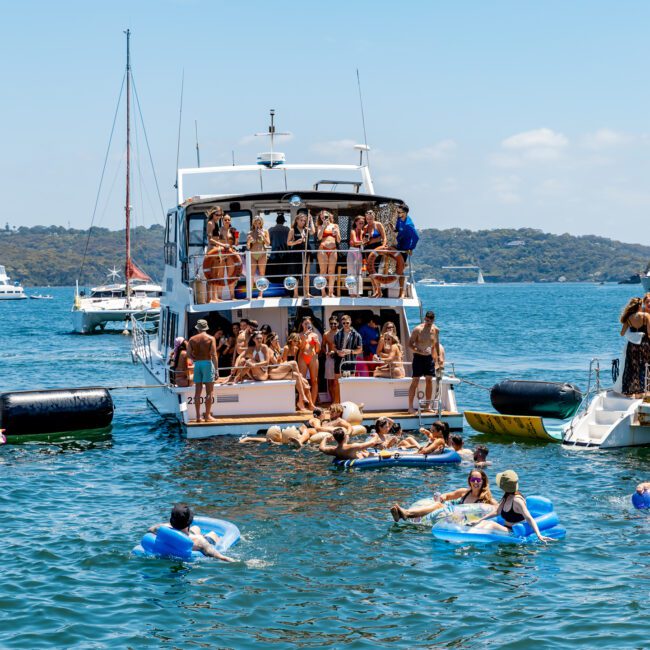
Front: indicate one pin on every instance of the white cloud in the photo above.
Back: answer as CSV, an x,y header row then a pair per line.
x,y
505,189
536,139
605,138
439,151
335,147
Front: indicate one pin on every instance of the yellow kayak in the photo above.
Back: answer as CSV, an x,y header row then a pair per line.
x,y
518,426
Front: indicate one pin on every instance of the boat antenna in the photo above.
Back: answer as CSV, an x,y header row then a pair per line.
x,y
271,133
196,134
127,207
363,123
180,119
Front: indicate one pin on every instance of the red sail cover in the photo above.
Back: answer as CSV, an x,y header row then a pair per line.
x,y
134,273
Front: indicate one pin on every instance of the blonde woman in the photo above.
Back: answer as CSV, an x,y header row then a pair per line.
x,y
329,236
355,256
374,237
227,239
257,242
391,358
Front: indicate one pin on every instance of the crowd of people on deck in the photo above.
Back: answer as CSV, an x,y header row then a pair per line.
x,y
281,251
635,321
248,352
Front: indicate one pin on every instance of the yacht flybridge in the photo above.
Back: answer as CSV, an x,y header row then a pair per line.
x,y
195,289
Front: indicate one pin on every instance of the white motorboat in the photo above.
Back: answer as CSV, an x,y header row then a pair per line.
x,y
10,291
431,282
41,296
190,280
609,419
138,298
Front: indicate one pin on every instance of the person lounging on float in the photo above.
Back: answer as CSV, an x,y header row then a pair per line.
x,y
181,519
512,509
344,450
478,492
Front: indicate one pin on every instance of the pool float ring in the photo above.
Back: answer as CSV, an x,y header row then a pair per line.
x,y
641,500
398,458
171,543
352,413
386,275
213,264
541,510
461,514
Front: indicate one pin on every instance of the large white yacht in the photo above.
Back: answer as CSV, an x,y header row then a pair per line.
x,y
10,291
253,406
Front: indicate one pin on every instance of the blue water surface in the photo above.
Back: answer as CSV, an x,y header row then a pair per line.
x,y
320,562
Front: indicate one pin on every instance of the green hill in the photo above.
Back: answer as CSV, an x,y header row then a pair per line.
x,y
51,255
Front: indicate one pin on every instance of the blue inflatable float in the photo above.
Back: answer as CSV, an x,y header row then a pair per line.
x,y
641,500
541,510
171,543
396,458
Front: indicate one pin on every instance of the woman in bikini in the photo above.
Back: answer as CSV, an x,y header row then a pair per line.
x,y
298,258
637,321
308,355
478,492
512,508
374,237
329,235
178,364
285,366
232,260
438,437
257,242
215,253
355,256
391,358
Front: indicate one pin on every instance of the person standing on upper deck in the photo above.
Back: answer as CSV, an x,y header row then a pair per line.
x,y
424,342
406,240
278,235
202,349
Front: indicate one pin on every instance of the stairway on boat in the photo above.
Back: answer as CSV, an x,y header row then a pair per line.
x,y
605,411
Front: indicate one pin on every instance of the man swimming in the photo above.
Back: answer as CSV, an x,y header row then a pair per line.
x,y
344,450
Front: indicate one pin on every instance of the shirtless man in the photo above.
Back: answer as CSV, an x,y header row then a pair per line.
x,y
181,520
202,349
424,342
344,450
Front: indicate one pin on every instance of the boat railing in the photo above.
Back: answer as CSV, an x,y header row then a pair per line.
x,y
141,343
221,274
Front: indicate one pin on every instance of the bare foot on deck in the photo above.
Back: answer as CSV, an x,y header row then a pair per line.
x,y
209,418
411,410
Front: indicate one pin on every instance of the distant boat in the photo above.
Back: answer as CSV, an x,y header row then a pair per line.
x,y
10,291
431,282
40,296
645,281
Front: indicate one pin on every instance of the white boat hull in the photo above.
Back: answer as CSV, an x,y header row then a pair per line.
x,y
87,321
645,281
611,421
12,296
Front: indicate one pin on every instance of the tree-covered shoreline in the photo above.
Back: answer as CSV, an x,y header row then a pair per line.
x,y
52,255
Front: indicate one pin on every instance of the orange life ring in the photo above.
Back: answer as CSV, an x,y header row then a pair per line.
x,y
388,254
213,264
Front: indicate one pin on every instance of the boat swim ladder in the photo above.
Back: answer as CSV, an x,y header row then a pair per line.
x,y
594,369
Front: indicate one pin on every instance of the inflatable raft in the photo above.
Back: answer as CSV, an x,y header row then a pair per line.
x,y
460,532
516,426
449,513
390,458
545,399
171,543
641,500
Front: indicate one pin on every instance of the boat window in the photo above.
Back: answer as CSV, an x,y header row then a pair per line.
x,y
170,239
196,230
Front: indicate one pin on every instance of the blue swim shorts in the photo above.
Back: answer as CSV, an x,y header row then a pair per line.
x,y
203,372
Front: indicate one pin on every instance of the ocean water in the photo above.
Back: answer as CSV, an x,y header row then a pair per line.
x,y
320,562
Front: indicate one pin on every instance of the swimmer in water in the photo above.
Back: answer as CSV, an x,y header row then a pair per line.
x,y
181,520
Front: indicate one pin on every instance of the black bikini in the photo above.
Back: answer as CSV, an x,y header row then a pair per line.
x,y
510,516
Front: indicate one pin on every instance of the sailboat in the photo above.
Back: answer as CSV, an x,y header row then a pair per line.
x,y
137,296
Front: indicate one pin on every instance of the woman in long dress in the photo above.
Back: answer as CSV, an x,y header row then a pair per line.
x,y
298,256
637,354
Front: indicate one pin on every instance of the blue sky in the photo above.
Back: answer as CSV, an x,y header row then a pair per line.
x,y
480,114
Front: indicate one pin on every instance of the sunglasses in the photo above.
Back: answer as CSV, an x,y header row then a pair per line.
x,y
474,479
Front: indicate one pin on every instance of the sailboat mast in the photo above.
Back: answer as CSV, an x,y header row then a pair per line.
x,y
127,207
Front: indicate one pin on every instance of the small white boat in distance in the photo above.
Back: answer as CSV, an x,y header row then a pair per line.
x,y
645,281
40,296
431,282
10,291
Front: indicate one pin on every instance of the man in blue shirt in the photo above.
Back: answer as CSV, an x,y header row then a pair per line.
x,y
407,238
369,337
